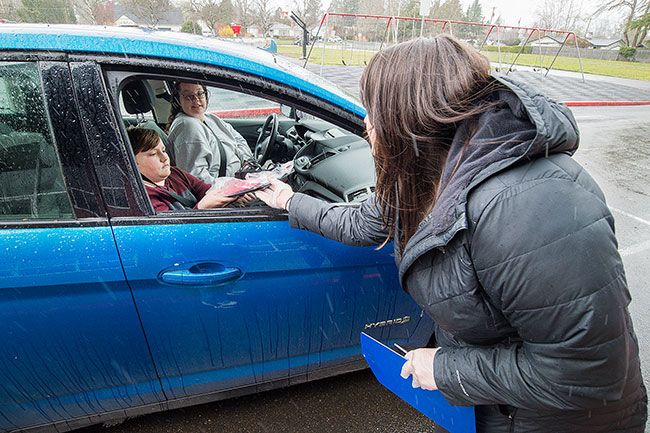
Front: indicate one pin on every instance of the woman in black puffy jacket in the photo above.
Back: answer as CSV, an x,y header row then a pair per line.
x,y
500,236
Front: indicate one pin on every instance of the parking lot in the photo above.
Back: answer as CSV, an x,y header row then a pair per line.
x,y
615,149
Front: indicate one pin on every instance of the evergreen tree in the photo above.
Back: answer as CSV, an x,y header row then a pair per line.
x,y
227,11
47,11
474,12
451,10
190,26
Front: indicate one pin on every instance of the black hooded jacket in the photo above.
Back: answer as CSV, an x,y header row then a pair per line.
x,y
517,264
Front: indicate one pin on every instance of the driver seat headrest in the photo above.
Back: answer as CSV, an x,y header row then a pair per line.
x,y
137,97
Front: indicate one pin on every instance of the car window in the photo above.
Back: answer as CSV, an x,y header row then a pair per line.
x,y
31,181
313,154
229,104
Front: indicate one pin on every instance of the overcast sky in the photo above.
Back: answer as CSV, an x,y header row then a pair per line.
x,y
511,11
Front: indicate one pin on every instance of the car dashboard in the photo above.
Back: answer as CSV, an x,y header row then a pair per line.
x,y
331,164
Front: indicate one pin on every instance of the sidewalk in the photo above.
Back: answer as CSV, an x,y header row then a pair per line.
x,y
559,85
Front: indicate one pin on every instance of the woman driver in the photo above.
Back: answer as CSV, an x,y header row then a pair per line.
x,y
201,143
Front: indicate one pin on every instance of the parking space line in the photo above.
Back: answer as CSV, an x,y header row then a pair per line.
x,y
634,217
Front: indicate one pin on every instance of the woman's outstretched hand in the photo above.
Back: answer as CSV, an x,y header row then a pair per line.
x,y
419,364
277,195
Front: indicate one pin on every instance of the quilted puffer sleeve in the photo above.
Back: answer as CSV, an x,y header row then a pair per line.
x,y
546,255
358,225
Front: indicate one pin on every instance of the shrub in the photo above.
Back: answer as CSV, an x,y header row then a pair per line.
x,y
226,32
191,27
627,54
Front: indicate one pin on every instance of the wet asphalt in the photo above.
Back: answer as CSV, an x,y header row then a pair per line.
x,y
615,149
353,403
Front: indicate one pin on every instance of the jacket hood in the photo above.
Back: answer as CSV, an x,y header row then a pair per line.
x,y
525,126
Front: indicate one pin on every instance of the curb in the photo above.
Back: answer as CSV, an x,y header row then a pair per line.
x,y
604,103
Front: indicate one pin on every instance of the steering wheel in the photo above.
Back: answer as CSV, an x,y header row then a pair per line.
x,y
267,142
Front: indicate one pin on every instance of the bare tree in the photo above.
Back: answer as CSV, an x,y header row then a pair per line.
x,y
634,10
561,15
309,10
244,14
150,10
263,15
214,12
90,11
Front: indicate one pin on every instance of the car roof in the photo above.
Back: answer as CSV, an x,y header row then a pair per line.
x,y
172,45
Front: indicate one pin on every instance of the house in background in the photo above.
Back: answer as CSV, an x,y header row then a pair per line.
x,y
253,31
170,20
545,41
605,44
279,30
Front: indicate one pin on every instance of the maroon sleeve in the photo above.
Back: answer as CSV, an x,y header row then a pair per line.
x,y
191,182
157,201
178,181
197,186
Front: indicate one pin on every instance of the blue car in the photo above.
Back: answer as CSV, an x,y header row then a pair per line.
x,y
109,310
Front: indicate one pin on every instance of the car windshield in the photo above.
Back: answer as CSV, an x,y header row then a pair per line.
x,y
309,76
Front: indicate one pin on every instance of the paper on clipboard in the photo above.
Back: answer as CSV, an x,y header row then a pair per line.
x,y
387,365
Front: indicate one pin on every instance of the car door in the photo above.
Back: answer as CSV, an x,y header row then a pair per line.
x,y
234,298
72,345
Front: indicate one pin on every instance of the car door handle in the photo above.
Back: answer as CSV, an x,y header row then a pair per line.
x,y
201,274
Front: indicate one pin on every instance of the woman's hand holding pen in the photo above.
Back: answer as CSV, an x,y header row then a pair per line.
x,y
419,364
277,195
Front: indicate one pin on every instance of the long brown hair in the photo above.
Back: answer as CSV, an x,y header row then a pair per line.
x,y
415,94
176,100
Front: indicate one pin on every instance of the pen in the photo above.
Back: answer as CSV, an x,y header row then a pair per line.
x,y
400,348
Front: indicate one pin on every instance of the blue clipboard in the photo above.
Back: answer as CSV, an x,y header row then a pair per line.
x,y
386,364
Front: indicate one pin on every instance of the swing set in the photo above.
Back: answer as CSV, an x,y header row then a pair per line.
x,y
356,37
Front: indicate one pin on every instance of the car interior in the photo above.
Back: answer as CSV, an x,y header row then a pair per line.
x,y
329,162
31,184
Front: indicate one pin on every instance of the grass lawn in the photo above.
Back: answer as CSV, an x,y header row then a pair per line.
x,y
634,70
336,56
333,55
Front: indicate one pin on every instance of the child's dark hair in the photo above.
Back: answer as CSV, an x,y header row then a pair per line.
x,y
142,139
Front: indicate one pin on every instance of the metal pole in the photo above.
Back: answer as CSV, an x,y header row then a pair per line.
x,y
541,61
381,45
499,45
582,72
557,54
486,38
322,57
522,49
303,26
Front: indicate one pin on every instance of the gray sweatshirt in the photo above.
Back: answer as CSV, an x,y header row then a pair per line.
x,y
194,146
